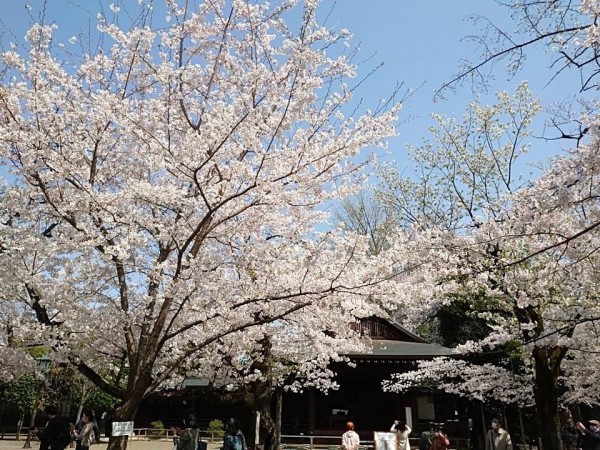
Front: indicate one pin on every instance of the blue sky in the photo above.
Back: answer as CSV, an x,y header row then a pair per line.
x,y
420,43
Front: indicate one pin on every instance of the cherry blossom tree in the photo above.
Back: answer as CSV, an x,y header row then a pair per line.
x,y
472,240
167,188
537,306
531,273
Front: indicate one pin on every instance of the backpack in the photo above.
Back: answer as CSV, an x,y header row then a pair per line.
x,y
425,440
234,442
439,442
63,439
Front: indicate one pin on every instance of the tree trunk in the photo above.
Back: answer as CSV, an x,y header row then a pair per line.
x,y
2,407
267,424
126,413
20,424
546,400
27,443
576,413
522,429
79,412
262,396
278,408
483,429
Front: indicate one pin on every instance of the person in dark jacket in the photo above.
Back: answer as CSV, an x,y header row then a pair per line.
x,y
589,438
55,436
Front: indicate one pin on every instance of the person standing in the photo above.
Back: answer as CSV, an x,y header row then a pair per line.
x,y
86,435
96,429
498,438
56,435
589,438
234,438
188,434
439,441
350,439
402,431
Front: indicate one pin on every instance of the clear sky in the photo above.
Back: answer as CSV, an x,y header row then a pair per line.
x,y
420,43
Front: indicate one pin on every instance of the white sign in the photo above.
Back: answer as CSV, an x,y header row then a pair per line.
x,y
122,428
385,440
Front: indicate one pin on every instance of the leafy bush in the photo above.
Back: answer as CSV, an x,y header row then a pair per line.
x,y
158,430
216,427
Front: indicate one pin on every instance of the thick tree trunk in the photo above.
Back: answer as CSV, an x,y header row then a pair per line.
x,y
546,400
126,413
269,427
262,396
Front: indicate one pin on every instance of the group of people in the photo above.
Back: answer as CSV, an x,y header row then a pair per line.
x,y
58,434
581,437
186,436
436,441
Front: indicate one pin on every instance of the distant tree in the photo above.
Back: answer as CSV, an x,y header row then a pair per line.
x,y
21,394
369,216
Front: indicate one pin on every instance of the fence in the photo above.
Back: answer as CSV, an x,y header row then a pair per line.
x,y
309,442
288,441
161,434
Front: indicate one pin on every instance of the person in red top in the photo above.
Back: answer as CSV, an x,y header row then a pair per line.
x,y
439,441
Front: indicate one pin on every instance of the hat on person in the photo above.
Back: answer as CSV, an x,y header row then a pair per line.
x,y
594,422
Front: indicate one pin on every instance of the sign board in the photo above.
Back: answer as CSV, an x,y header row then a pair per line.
x,y
385,440
122,428
195,382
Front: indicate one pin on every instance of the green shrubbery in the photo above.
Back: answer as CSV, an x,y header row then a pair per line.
x,y
216,427
158,430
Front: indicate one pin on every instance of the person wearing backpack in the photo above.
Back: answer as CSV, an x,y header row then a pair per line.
x,y
234,438
439,441
57,434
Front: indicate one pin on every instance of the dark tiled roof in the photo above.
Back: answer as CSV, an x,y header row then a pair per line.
x,y
383,348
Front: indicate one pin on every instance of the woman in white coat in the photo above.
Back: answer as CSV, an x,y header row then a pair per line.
x,y
403,431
